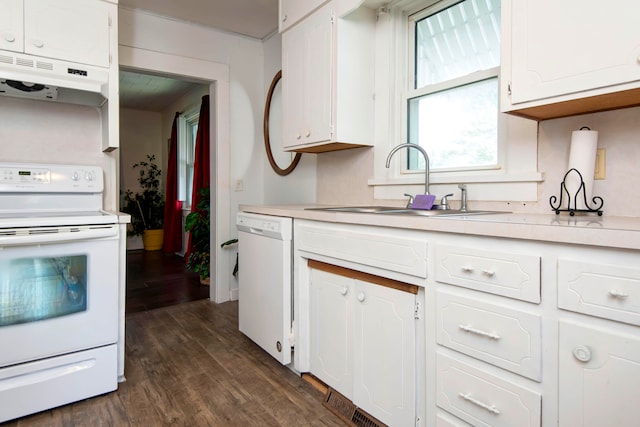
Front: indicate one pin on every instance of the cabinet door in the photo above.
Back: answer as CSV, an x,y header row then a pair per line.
x,y
291,11
564,47
11,18
306,74
385,346
599,373
72,30
331,324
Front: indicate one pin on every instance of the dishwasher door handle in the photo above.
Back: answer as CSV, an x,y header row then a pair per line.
x,y
253,230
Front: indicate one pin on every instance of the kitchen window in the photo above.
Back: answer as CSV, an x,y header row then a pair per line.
x,y
438,87
452,101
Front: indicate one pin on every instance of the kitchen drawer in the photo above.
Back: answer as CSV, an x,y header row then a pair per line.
x,y
499,335
511,275
481,398
395,254
602,290
444,419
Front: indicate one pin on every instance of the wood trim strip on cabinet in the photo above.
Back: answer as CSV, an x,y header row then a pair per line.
x,y
365,277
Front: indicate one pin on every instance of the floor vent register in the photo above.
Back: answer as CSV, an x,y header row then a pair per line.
x,y
347,411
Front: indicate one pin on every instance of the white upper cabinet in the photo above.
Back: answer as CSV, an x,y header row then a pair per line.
x,y
71,30
11,18
327,81
562,58
292,11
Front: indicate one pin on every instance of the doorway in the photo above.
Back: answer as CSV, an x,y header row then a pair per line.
x,y
217,77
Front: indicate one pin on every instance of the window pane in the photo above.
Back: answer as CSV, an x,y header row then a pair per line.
x,y
457,41
457,127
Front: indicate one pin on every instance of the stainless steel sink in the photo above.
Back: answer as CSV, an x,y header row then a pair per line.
x,y
436,212
390,210
358,209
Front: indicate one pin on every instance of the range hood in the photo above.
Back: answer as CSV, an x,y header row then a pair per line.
x,y
33,77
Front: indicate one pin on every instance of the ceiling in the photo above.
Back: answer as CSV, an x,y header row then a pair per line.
x,y
251,18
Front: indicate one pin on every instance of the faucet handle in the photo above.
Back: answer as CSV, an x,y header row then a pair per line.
x,y
444,202
410,202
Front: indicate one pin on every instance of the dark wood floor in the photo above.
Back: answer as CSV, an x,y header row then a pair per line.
x,y
188,365
155,280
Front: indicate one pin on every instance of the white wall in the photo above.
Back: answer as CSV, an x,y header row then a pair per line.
x,y
49,132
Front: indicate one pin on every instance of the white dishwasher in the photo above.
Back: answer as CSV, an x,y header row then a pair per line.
x,y
265,282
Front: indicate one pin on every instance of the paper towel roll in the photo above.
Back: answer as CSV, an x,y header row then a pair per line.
x,y
582,156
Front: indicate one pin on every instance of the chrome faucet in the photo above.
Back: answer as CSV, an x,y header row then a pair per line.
x,y
426,160
463,197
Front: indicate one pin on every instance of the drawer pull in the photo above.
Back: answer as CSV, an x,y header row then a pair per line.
x,y
618,294
467,269
489,273
472,330
476,402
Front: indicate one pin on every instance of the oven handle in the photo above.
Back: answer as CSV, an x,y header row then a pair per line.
x,y
53,237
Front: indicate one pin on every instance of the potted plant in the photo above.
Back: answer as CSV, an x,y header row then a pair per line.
x,y
198,224
146,207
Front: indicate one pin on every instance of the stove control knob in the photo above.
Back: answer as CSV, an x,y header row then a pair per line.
x,y
75,176
89,176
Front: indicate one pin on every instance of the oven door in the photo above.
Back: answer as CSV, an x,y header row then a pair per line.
x,y
58,292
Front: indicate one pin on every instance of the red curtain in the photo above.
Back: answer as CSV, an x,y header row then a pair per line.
x,y
201,169
172,240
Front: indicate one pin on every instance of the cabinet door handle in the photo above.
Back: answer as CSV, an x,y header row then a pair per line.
x,y
472,330
284,18
361,297
467,268
618,294
490,408
489,273
582,353
9,37
344,291
298,136
307,133
37,43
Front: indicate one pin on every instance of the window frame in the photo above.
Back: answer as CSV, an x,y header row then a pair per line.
x,y
186,148
411,92
518,177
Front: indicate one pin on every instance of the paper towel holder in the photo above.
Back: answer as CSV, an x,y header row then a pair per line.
x,y
572,204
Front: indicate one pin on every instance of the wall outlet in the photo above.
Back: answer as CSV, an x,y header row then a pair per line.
x,y
601,169
239,185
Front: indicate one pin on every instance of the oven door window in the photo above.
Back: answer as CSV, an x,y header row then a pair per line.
x,y
33,289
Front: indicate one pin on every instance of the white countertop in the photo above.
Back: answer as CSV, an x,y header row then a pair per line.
x,y
581,229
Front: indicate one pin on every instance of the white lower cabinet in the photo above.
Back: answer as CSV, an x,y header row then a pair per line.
x,y
599,376
363,344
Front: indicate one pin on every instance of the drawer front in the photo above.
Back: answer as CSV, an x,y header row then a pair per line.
x,y
496,334
395,254
481,398
609,291
507,274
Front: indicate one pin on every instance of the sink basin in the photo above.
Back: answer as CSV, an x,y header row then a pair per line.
x,y
436,212
358,209
390,210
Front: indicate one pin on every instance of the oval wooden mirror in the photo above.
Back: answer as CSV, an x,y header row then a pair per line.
x,y
282,162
